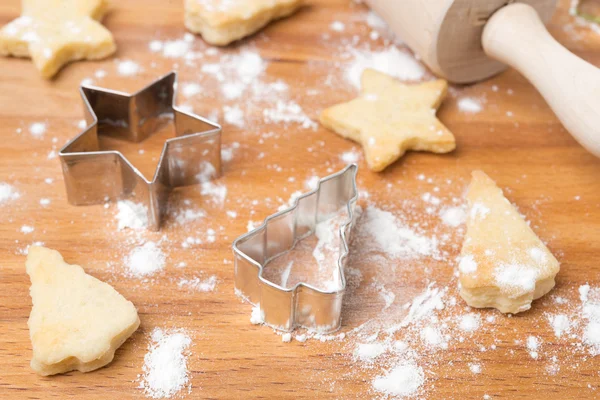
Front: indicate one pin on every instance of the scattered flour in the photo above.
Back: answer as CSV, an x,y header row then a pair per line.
x,y
515,277
403,380
467,264
199,285
469,322
131,215
469,105
369,351
560,324
390,61
453,216
350,157
533,345
128,68
165,371
396,238
145,260
37,129
257,317
26,229
8,192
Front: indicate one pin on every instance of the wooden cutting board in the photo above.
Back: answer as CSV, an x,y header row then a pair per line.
x,y
516,139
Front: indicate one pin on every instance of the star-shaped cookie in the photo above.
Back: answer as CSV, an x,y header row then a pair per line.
x,y
221,22
503,263
55,32
389,118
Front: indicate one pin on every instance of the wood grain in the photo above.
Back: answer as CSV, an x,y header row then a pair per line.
x,y
528,153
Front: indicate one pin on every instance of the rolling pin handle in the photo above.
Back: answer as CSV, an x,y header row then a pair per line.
x,y
516,36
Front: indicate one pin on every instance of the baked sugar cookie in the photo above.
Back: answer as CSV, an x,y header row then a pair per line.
x,y
77,322
389,118
221,22
55,32
503,263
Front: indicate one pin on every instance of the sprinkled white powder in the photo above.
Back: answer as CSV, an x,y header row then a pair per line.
x,y
337,26
469,105
312,182
190,89
128,68
257,317
368,351
560,324
350,157
37,129
217,192
199,285
390,61
286,337
165,364
394,237
533,345
514,276
432,337
186,215
479,210
7,192
475,368
27,229
288,112
131,215
45,202
467,264
537,254
234,116
402,380
145,260
584,290
453,216
469,322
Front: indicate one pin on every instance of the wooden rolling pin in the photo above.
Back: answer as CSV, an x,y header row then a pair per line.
x,y
469,40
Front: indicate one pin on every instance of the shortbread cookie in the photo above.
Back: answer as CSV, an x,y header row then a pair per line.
x,y
503,263
221,22
77,322
55,32
390,118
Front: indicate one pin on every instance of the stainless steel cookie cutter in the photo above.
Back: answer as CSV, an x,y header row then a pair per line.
x,y
303,305
94,176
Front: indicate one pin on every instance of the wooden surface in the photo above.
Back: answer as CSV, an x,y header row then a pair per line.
x,y
529,154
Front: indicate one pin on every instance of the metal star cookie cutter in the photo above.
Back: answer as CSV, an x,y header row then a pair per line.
x,y
94,176
302,305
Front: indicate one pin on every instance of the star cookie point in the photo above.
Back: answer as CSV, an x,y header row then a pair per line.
x,y
55,32
389,118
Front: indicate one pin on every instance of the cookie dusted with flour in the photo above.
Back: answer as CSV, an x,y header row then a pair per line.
x,y
221,22
55,32
77,322
389,118
503,263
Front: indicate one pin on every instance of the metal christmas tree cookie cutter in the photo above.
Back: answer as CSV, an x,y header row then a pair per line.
x,y
302,305
93,176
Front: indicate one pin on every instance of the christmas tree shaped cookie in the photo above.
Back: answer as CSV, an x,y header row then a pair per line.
x,y
77,322
503,263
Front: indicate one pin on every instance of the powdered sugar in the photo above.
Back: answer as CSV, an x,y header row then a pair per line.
x,y
390,61
199,285
37,129
131,215
165,364
128,68
394,237
515,277
469,105
403,380
145,260
7,193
